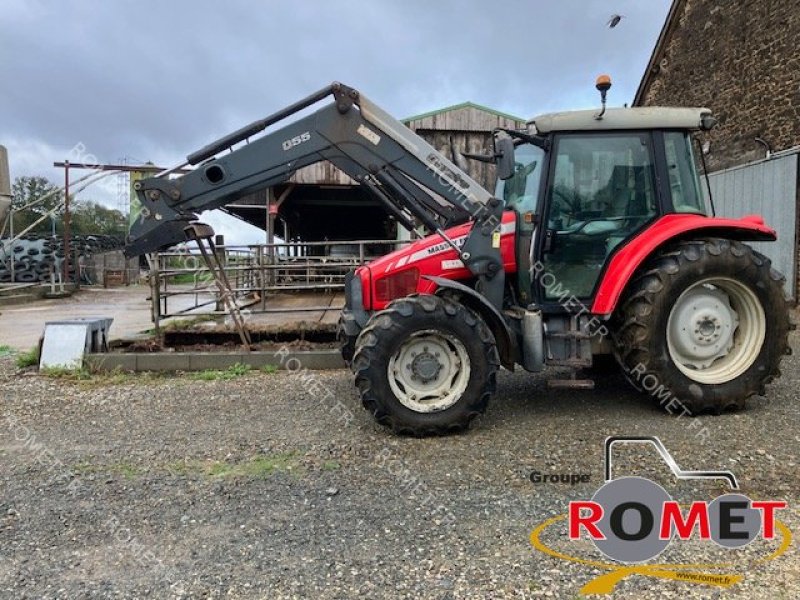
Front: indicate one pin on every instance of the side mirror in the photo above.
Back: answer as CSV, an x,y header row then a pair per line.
x,y
504,156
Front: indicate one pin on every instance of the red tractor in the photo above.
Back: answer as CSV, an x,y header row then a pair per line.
x,y
596,241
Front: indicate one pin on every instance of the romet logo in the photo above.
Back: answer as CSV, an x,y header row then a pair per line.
x,y
632,520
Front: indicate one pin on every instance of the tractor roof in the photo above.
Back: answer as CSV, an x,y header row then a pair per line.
x,y
648,117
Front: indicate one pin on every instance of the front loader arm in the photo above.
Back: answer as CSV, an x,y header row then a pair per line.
x,y
362,140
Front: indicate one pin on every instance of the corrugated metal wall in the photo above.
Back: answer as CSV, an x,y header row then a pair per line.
x,y
767,188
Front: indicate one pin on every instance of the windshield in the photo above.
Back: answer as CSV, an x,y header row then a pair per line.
x,y
521,190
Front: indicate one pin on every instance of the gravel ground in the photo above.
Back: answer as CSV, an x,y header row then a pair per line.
x,y
281,486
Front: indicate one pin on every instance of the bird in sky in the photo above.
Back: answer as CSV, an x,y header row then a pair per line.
x,y
614,21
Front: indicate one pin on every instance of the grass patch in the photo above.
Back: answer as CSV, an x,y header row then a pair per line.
x,y
6,350
184,278
88,378
258,467
123,469
84,468
29,358
264,465
82,374
127,470
179,324
269,369
180,467
182,324
231,372
118,376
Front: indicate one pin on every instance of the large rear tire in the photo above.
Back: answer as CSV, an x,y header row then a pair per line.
x,y
706,322
425,366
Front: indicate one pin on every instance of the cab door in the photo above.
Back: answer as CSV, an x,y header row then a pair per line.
x,y
602,190
521,193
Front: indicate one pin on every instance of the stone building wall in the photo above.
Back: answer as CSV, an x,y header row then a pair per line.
x,y
742,60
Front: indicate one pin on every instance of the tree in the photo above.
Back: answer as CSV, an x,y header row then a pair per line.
x,y
91,218
86,217
28,189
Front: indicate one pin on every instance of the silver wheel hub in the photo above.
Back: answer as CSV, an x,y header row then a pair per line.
x,y
430,371
716,330
425,366
702,326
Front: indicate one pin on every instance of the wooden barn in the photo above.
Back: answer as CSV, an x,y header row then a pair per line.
x,y
321,203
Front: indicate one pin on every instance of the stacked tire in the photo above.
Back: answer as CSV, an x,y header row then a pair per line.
x,y
34,257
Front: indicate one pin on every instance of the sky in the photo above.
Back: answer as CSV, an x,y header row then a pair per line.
x,y
153,81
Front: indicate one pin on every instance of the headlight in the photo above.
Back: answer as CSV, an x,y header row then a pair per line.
x,y
397,285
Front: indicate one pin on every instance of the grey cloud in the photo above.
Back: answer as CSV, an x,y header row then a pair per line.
x,y
155,80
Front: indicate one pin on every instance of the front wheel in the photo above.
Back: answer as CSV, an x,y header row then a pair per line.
x,y
706,323
426,365
347,342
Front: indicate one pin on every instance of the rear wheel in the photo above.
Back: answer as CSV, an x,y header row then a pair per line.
x,y
705,323
426,365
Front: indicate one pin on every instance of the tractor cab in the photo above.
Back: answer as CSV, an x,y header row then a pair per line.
x,y
584,184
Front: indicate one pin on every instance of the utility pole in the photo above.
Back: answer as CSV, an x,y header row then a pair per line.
x,y
5,188
6,213
66,221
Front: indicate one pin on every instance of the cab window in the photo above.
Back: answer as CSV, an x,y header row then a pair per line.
x,y
683,182
521,191
603,192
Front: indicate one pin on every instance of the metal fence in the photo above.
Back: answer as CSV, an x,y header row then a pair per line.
x,y
181,283
768,188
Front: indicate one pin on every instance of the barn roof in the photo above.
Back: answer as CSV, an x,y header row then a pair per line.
x,y
462,106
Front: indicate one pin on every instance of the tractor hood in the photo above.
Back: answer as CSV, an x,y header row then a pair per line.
x,y
430,256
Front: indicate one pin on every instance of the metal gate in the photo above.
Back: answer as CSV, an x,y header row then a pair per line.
x,y
768,188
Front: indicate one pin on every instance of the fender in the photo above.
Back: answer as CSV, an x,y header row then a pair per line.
x,y
666,229
506,345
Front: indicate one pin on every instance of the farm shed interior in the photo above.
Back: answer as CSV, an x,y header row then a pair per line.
x,y
321,203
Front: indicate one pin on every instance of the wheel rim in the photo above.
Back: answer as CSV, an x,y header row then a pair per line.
x,y
429,372
716,330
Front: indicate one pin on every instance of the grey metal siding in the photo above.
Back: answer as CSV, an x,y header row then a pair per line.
x,y
767,188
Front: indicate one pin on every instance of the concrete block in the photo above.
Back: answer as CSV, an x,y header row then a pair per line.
x,y
315,360
163,361
258,360
110,362
200,361
67,342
